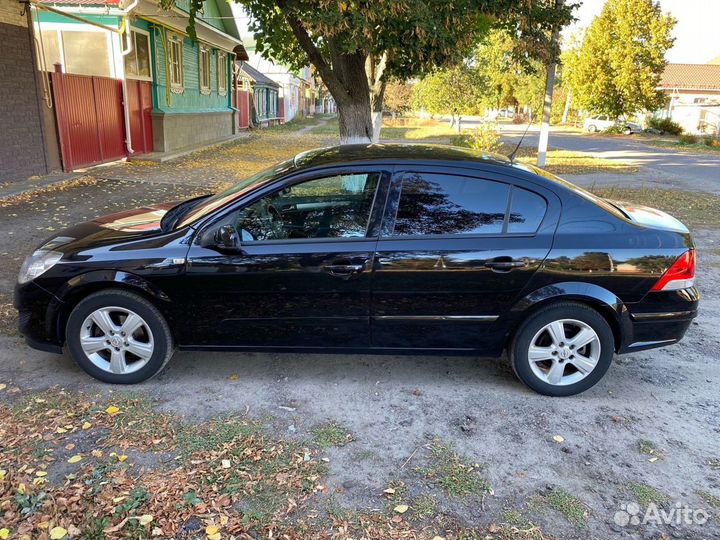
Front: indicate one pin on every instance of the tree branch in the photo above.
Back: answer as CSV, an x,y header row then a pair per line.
x,y
315,56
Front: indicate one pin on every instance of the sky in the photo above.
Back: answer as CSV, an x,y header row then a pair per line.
x,y
697,32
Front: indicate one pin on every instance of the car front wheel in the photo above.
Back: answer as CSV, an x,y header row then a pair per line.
x,y
563,349
119,337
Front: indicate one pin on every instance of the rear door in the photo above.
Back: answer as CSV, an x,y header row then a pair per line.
x,y
455,251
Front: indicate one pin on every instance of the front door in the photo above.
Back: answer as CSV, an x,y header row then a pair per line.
x,y
455,251
302,276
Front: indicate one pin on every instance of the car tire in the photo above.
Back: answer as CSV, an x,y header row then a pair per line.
x,y
121,357
592,128
578,371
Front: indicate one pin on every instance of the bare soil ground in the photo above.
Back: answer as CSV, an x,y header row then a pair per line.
x,y
344,442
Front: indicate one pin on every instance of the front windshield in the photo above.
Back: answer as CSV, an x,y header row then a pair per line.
x,y
224,197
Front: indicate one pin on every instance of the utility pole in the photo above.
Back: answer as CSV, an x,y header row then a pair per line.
x,y
547,103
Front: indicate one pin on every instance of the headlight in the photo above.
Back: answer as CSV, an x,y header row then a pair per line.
x,y
36,264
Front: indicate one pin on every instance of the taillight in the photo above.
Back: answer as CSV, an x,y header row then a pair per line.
x,y
680,275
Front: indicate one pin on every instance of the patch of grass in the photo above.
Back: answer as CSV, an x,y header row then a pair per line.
x,y
699,147
452,473
262,504
569,506
417,129
714,463
214,435
648,447
299,122
423,506
514,518
695,209
329,129
331,434
709,498
646,494
572,162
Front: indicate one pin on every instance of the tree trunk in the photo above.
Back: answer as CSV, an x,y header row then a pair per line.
x,y
374,71
566,110
355,123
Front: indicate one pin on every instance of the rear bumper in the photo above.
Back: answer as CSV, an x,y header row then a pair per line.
x,y
660,319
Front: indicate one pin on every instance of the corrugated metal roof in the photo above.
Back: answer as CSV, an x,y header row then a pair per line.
x,y
691,76
82,2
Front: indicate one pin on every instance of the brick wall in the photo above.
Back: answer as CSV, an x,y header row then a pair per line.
x,y
22,152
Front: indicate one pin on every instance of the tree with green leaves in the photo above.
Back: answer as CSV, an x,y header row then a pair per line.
x,y
455,92
357,45
617,68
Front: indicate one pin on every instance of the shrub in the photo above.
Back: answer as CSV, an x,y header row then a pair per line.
x,y
711,141
520,118
688,138
617,129
666,126
484,138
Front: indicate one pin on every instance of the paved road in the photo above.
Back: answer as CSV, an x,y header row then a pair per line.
x,y
659,166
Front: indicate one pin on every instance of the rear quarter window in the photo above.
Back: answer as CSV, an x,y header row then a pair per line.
x,y
527,210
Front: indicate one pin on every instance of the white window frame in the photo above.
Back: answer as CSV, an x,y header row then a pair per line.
x,y
204,59
146,34
175,40
115,65
222,70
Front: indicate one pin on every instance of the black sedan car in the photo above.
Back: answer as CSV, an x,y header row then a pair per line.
x,y
373,248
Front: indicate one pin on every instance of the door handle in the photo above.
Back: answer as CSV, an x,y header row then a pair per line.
x,y
344,271
505,265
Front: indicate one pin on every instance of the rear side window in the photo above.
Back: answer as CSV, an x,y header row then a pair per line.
x,y
527,211
440,204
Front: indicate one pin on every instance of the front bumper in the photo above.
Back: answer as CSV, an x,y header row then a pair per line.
x,y
37,316
661,319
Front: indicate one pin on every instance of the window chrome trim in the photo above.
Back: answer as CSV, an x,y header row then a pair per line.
x,y
469,318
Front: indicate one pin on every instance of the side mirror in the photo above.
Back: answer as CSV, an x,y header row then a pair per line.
x,y
226,238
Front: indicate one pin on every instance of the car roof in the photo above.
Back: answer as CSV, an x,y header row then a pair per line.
x,y
352,153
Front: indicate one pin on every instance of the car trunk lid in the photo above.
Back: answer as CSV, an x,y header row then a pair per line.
x,y
649,217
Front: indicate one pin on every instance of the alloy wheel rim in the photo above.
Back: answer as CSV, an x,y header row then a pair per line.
x,y
564,352
116,340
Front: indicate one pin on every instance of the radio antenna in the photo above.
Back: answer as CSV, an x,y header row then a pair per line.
x,y
512,154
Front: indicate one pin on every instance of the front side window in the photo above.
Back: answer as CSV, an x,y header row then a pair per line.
x,y
222,73
204,60
137,61
440,204
332,207
175,61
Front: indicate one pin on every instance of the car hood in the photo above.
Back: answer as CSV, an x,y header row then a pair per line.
x,y
144,219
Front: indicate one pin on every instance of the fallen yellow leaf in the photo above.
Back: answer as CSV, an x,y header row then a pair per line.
x,y
97,453
43,525
558,438
60,430
234,377
56,533
112,409
86,425
145,519
438,538
4,533
3,386
122,458
38,481
41,473
211,529
21,489
653,459
215,536
75,458
39,400
3,472
401,508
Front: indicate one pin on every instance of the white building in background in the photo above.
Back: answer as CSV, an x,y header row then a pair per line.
x,y
694,96
297,89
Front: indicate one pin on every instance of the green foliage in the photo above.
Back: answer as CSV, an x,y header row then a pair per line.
x,y
617,68
645,494
666,126
484,138
505,79
688,138
452,473
455,91
331,434
569,506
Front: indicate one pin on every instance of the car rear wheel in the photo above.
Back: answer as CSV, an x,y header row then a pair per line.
x,y
119,337
563,349
592,128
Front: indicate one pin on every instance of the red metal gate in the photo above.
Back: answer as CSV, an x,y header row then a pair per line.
x,y
139,97
90,119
